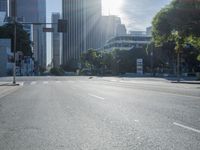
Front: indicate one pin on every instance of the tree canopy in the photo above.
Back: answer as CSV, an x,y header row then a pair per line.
x,y
23,38
179,21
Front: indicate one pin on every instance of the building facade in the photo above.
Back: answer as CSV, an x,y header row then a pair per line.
x,y
2,18
3,6
56,41
83,27
6,57
109,25
127,42
34,11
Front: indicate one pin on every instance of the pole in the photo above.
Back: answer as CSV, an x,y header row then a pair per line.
x,y
14,50
178,66
15,40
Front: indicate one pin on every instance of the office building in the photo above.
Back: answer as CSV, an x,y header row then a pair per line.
x,y
127,42
34,11
6,57
3,6
56,41
83,27
109,25
121,30
2,18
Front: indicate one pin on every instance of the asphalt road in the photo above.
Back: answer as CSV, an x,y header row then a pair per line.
x,y
82,113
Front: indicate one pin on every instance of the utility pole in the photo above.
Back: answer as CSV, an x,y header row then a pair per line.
x,y
178,66
13,15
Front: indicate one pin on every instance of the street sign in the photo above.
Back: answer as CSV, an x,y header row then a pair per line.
x,y
48,30
140,66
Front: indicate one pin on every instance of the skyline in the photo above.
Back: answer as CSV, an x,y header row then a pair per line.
x,y
132,13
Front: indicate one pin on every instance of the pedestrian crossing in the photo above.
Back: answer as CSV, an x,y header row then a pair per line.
x,y
34,83
120,82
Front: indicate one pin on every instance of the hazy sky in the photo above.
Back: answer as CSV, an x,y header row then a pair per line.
x,y
135,14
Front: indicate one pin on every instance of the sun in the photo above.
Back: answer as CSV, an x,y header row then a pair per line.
x,y
111,7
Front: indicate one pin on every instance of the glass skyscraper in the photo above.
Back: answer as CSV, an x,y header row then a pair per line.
x,y
83,19
3,5
34,11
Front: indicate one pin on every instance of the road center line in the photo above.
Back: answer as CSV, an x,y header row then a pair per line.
x,y
96,96
186,127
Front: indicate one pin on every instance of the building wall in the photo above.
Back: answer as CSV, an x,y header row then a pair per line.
x,y
5,51
56,41
2,18
3,5
83,19
109,26
35,11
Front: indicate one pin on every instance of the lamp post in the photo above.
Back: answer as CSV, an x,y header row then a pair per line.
x,y
13,15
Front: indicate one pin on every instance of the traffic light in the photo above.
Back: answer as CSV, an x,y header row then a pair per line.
x,y
62,25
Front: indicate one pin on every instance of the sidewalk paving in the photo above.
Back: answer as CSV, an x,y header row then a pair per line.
x,y
6,88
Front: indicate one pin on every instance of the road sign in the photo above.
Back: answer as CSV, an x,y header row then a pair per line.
x,y
140,66
48,30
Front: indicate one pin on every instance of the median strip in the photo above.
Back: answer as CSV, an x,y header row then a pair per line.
x,y
92,95
186,127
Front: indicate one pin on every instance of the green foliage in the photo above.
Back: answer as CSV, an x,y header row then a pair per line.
x,y
115,62
57,71
23,38
180,17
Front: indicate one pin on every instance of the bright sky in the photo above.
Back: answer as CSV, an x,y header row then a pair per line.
x,y
135,14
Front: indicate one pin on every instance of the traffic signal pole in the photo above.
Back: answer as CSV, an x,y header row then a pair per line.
x,y
14,39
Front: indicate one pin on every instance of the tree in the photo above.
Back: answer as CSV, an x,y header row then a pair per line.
x,y
23,38
182,18
91,58
178,22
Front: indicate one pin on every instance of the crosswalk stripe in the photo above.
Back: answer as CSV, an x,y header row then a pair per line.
x,y
33,83
45,82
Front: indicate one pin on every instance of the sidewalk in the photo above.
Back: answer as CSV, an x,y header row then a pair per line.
x,y
7,88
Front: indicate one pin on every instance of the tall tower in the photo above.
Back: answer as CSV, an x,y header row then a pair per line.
x,y
83,17
35,11
56,41
4,6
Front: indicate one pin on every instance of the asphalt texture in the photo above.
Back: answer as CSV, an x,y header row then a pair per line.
x,y
93,113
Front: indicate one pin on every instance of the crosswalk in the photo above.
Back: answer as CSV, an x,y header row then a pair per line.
x,y
34,83
121,82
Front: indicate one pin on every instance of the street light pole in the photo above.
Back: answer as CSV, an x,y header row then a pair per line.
x,y
178,66
15,38
14,50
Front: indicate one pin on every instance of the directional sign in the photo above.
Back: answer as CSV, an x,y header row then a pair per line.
x,y
48,30
140,66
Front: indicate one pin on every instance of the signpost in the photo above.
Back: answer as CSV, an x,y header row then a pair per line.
x,y
140,66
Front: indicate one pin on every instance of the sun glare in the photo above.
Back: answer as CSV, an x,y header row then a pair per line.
x,y
111,7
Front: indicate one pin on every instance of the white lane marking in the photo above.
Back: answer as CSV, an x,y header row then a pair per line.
x,y
92,95
45,82
136,120
33,83
58,82
21,83
186,127
113,80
